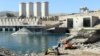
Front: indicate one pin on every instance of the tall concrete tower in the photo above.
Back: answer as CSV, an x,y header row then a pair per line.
x,y
29,10
37,9
45,10
22,9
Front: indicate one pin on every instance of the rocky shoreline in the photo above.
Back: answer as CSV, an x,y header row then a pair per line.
x,y
82,49
86,41
6,52
88,44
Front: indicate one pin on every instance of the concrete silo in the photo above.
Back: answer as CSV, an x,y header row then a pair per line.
x,y
29,9
45,9
22,9
37,9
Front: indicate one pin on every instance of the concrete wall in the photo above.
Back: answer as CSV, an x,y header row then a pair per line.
x,y
95,20
77,22
18,22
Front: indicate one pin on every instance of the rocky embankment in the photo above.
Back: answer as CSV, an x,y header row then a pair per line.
x,y
87,43
6,52
95,37
82,49
92,35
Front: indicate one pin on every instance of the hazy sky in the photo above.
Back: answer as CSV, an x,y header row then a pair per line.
x,y
55,6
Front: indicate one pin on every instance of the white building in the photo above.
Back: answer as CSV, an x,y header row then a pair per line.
x,y
45,10
29,9
37,9
22,9
78,21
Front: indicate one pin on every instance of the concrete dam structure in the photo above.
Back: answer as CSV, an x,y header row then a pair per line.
x,y
14,24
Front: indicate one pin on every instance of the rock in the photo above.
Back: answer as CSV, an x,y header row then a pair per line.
x,y
94,38
85,33
6,52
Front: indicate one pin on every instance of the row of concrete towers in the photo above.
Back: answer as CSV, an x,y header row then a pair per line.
x,y
36,9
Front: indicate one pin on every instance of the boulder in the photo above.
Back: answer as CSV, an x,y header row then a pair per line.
x,y
94,38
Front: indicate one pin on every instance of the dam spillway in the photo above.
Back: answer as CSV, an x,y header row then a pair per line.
x,y
14,24
16,28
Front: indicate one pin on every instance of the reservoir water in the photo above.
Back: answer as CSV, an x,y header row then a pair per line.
x,y
28,43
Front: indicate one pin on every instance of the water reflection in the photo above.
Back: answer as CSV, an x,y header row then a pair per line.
x,y
28,43
34,42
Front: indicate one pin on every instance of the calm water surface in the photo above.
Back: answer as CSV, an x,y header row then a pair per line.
x,y
28,43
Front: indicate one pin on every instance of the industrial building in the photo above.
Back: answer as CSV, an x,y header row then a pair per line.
x,y
37,9
22,9
45,9
29,9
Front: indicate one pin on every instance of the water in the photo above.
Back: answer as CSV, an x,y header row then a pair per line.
x,y
28,43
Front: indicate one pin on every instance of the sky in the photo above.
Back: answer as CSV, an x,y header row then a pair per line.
x,y
55,6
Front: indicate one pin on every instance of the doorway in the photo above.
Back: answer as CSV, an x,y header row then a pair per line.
x,y
70,23
86,22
